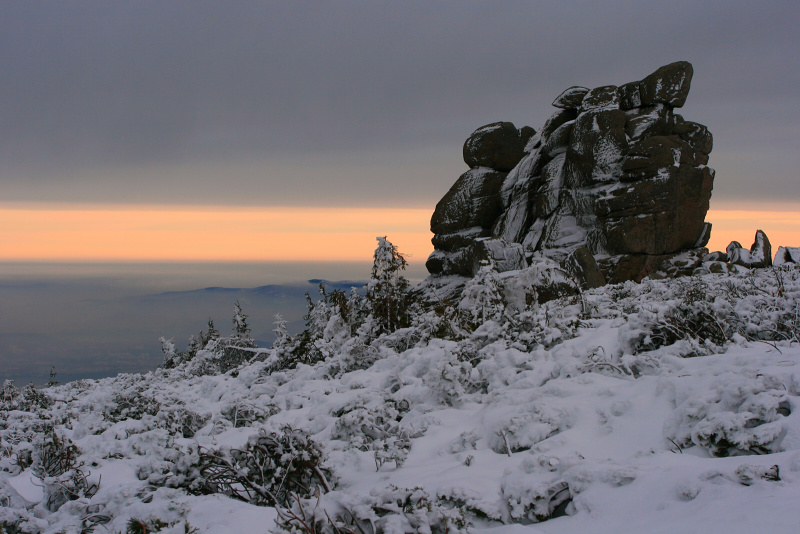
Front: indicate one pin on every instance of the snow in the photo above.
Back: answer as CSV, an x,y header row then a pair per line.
x,y
657,407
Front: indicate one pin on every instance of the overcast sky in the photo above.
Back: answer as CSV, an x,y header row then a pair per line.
x,y
360,103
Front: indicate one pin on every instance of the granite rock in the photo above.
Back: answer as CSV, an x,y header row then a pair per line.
x,y
614,184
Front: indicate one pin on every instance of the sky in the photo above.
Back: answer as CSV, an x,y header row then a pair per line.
x,y
193,130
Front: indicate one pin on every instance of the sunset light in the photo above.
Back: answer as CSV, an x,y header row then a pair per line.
x,y
169,233
208,234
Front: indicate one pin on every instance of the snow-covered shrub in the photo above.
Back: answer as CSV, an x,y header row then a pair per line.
x,y
415,510
768,305
524,427
726,433
270,468
28,399
172,358
179,467
327,328
737,416
132,405
449,379
55,463
693,313
748,474
241,330
354,354
54,455
18,432
136,525
374,427
17,520
393,510
441,321
245,414
532,500
181,421
9,395
703,314
482,299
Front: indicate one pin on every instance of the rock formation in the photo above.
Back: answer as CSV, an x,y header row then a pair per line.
x,y
759,255
787,255
614,183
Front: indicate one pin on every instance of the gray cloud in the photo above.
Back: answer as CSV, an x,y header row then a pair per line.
x,y
359,102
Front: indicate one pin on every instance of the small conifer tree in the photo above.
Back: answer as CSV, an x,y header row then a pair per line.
x,y
240,326
241,330
387,288
51,382
212,334
282,338
194,345
170,355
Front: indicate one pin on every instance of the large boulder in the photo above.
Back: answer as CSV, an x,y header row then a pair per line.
x,y
668,85
498,146
571,98
474,200
614,184
583,267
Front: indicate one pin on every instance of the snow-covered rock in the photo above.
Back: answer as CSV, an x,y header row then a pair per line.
x,y
615,171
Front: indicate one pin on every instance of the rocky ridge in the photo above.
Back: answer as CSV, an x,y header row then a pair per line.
x,y
614,184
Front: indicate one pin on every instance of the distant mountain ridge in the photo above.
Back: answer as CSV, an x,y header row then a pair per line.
x,y
270,289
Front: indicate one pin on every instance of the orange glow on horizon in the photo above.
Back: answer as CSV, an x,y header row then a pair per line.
x,y
209,234
179,233
782,227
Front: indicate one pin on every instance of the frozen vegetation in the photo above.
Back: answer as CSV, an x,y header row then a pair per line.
x,y
510,402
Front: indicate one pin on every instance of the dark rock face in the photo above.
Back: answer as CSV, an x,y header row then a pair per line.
x,y
583,267
571,98
473,201
613,179
498,146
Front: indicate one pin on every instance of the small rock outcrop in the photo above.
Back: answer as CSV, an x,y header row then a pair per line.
x,y
612,185
759,255
787,255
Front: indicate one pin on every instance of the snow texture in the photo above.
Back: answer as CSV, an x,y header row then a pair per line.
x,y
660,407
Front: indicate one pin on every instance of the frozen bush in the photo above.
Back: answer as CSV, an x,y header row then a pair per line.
x,y
375,428
532,500
270,468
55,463
393,510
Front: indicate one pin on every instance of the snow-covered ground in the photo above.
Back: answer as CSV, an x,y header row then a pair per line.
x,y
666,406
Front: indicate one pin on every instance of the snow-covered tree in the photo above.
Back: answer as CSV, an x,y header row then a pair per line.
x,y
482,299
387,288
241,330
194,345
240,326
281,332
170,355
212,334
